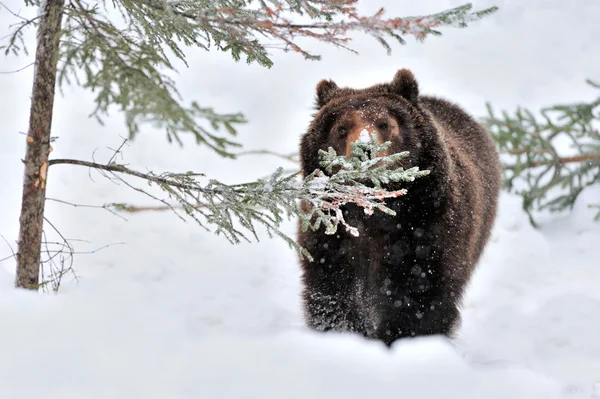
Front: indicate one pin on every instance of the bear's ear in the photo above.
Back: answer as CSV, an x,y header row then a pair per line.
x,y
325,92
405,84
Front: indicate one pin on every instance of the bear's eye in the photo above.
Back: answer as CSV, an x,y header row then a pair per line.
x,y
383,125
342,131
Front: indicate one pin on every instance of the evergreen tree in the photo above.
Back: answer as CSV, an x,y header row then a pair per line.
x,y
121,51
534,160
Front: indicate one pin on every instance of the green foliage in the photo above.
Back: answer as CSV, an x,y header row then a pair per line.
x,y
533,153
461,16
364,164
16,42
125,67
236,209
122,50
346,183
458,17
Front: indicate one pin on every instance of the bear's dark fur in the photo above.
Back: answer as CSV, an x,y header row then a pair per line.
x,y
405,275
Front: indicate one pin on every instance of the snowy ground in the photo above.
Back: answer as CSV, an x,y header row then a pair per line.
x,y
174,312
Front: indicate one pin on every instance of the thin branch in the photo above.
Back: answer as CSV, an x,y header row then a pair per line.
x,y
17,70
122,169
162,201
14,255
105,206
56,277
594,158
93,251
12,12
117,151
289,157
140,208
60,261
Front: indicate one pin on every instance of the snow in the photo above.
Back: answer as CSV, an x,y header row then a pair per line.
x,y
319,182
171,311
364,137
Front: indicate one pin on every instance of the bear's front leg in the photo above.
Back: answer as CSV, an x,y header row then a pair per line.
x,y
434,314
329,310
328,283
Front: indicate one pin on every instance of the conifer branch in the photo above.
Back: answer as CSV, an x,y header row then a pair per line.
x,y
118,168
359,179
128,67
16,43
535,167
592,158
271,22
105,207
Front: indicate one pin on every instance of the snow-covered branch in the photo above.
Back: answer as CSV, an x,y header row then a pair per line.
x,y
234,210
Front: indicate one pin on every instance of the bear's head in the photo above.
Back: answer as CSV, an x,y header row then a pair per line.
x,y
390,110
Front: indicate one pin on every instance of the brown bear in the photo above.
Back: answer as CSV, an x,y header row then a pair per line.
x,y
404,275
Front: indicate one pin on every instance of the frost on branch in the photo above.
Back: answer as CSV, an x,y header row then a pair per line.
x,y
236,209
345,182
266,200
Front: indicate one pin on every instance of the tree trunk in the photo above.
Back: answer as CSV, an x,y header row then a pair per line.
x,y
38,146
